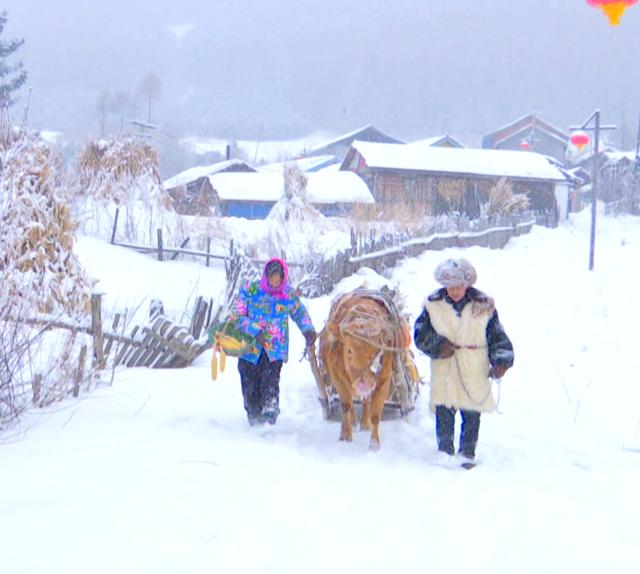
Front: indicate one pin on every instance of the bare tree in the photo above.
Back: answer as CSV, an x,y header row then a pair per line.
x,y
104,106
151,89
123,105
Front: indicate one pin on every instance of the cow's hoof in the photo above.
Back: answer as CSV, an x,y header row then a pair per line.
x,y
346,438
374,445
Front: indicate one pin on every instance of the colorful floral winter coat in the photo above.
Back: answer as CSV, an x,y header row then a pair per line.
x,y
259,308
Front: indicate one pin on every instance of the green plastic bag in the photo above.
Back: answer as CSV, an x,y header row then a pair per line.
x,y
230,339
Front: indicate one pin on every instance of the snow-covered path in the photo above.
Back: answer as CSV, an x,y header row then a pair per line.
x,y
160,473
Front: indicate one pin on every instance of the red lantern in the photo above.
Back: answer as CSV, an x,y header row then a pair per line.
x,y
579,139
614,9
524,145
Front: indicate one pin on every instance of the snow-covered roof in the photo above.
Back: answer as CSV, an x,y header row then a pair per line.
x,y
306,164
260,151
484,162
523,123
365,131
620,155
194,173
435,140
322,187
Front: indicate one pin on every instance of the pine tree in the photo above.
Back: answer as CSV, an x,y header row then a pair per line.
x,y
12,76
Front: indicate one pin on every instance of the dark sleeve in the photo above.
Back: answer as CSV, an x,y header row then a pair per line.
x,y
500,347
425,336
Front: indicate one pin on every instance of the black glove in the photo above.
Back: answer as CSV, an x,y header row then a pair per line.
x,y
497,371
447,348
310,337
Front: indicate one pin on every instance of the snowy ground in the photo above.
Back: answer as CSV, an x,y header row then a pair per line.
x,y
160,473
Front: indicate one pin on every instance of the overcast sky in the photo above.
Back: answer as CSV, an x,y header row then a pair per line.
x,y
414,68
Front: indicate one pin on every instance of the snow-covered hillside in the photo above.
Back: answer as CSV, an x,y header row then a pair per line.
x,y
161,473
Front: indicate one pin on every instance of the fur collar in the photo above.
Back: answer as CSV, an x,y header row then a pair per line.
x,y
481,303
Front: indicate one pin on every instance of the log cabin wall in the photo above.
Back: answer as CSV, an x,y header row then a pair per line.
x,y
422,193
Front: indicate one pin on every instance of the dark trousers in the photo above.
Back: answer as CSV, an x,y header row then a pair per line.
x,y
445,425
261,388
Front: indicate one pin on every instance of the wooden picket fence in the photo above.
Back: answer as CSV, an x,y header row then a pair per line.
x,y
164,344
161,344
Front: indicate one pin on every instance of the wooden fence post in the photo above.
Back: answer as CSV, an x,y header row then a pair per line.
x,y
115,225
80,371
182,245
36,387
96,329
159,244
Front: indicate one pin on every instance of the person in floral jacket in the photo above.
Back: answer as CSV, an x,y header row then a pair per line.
x,y
262,310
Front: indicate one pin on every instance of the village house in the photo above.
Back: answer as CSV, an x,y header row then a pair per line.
x,y
444,140
191,189
305,164
339,146
433,180
252,195
530,133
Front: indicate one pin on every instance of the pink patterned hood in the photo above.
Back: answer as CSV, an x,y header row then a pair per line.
x,y
264,283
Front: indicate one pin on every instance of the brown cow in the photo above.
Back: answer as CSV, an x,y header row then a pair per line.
x,y
357,351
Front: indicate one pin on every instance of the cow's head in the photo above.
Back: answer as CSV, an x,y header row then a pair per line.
x,y
362,364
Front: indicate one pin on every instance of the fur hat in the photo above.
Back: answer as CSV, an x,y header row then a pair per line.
x,y
452,273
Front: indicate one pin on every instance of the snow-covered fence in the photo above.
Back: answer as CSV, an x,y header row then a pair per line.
x,y
93,328
159,344
383,253
162,344
164,253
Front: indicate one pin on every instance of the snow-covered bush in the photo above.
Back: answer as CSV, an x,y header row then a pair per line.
x,y
41,279
122,174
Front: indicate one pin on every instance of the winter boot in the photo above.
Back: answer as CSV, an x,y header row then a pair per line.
x,y
469,434
270,411
445,421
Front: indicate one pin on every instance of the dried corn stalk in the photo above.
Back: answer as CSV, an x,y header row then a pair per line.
x,y
122,173
294,205
452,190
42,279
38,231
502,200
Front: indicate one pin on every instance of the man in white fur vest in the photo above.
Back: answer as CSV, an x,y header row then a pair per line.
x,y
460,330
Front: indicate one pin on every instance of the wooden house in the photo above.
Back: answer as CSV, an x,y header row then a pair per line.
x,y
252,195
433,180
339,146
191,189
529,133
444,140
306,164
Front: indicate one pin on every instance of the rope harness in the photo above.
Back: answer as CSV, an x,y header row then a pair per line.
x,y
382,333
464,386
380,329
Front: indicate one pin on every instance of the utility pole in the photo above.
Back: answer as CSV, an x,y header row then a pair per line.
x,y
595,116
